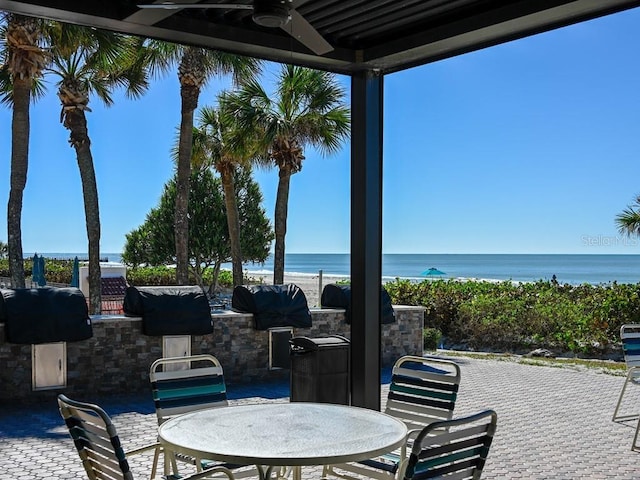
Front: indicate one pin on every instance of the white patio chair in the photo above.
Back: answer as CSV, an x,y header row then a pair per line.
x,y
98,444
423,390
630,336
459,453
187,384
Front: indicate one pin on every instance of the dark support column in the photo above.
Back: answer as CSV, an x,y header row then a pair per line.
x,y
366,237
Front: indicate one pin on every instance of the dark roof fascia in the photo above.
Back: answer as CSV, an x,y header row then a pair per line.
x,y
492,28
499,25
260,45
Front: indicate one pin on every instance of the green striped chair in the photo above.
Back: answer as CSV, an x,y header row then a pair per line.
x,y
187,384
459,453
98,444
423,390
630,336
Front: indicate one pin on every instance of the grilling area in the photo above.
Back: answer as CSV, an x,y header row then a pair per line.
x,y
76,354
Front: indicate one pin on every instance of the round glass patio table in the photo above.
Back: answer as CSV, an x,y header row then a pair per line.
x,y
283,434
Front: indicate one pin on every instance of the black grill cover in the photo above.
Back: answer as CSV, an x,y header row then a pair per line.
x,y
45,315
339,296
169,310
273,305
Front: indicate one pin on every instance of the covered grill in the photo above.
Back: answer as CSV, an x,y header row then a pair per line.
x,y
339,296
273,305
44,315
170,310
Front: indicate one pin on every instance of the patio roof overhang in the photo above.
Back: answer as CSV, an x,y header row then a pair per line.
x,y
369,38
380,35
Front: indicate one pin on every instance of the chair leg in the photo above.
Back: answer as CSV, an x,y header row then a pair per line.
x,y
616,418
166,464
174,465
156,458
284,473
330,471
170,465
634,445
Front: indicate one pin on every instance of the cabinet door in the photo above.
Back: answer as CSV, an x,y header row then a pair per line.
x,y
279,356
176,346
49,365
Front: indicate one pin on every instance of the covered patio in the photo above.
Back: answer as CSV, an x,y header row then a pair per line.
x,y
365,40
553,423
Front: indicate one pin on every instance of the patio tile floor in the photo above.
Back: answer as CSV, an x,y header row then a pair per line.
x,y
553,423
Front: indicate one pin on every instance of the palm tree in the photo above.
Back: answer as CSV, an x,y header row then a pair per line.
x,y
308,108
628,221
195,67
228,148
99,62
23,57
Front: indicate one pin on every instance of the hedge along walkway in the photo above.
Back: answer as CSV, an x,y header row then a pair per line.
x,y
553,423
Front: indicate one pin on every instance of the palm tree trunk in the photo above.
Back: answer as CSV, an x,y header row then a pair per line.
x,y
233,223
189,96
19,166
76,122
280,221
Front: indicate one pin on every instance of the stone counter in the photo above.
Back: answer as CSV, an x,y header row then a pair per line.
x,y
118,356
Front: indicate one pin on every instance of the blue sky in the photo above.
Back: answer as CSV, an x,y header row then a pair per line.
x,y
528,147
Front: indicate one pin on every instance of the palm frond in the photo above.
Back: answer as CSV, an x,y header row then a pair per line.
x,y
160,55
222,63
6,86
628,222
175,149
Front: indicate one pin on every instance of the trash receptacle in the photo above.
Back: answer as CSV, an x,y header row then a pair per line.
x,y
320,370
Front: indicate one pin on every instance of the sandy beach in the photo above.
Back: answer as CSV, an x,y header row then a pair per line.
x,y
311,284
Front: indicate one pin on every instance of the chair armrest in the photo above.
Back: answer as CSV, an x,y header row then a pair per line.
x,y
411,434
208,474
136,451
633,374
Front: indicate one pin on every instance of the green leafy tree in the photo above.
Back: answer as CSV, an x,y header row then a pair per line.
x,y
196,66
307,109
628,222
22,60
153,242
96,64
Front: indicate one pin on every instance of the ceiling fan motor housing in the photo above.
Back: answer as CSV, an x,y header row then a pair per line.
x,y
271,13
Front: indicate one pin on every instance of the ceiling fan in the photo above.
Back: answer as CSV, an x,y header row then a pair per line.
x,y
266,13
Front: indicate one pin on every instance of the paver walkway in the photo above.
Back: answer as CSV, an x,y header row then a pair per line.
x,y
553,423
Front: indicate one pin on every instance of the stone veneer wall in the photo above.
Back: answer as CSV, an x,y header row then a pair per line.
x,y
118,356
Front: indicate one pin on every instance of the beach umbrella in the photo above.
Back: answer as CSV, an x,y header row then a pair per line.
x,y
75,273
432,272
37,271
42,281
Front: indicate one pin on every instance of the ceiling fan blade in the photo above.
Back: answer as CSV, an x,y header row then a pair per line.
x,y
304,32
178,6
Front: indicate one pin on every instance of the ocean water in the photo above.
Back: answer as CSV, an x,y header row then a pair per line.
x,y
572,269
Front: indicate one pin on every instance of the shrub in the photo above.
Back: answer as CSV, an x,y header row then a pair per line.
x,y
584,319
60,271
431,338
163,275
